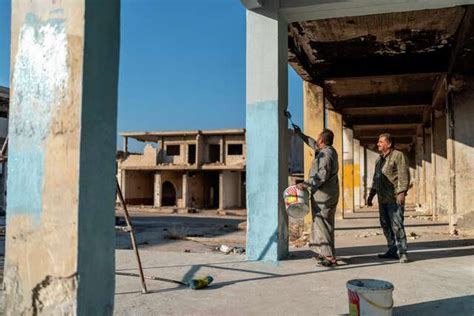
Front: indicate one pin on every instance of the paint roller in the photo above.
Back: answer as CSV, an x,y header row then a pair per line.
x,y
194,284
288,115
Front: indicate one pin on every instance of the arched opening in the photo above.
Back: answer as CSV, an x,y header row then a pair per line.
x,y
168,194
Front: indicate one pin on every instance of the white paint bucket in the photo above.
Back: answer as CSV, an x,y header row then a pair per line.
x,y
296,202
369,297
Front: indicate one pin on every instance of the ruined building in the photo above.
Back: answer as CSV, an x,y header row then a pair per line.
x,y
192,169
186,169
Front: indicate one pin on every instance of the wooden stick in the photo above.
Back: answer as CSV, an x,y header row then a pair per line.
x,y
132,237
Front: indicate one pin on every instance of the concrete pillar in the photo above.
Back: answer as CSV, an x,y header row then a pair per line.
x,y
223,151
442,168
433,187
419,181
313,120
199,151
357,197
157,190
427,170
267,165
334,123
125,146
221,190
185,189
348,168
460,157
62,141
363,175
371,155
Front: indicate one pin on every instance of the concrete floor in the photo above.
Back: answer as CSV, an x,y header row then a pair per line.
x,y
437,282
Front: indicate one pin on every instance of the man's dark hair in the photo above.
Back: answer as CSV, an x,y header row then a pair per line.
x,y
389,139
328,136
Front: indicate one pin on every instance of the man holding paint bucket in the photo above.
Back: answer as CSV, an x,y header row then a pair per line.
x,y
391,182
324,186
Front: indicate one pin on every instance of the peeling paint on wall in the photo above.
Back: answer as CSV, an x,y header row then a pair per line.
x,y
40,79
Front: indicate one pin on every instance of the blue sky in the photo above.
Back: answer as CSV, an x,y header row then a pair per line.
x,y
182,65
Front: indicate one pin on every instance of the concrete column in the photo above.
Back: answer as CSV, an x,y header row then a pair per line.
x,y
334,123
157,190
223,150
427,170
199,151
267,163
357,198
62,141
442,168
221,190
185,189
420,180
125,146
348,168
433,187
363,175
313,120
460,157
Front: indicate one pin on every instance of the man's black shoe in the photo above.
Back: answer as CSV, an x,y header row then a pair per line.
x,y
388,255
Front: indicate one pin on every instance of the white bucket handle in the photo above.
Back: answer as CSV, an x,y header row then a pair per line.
x,y
375,304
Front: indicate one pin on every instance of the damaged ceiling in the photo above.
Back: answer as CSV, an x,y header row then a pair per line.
x,y
379,70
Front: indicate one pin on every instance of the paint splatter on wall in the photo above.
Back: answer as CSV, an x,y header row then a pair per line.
x,y
40,79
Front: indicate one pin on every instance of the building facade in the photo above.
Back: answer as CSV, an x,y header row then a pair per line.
x,y
185,169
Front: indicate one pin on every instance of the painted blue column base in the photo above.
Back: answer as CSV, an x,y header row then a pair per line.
x,y
266,238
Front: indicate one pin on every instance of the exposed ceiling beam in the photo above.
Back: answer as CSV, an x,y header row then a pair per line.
x,y
382,109
398,100
398,140
462,57
364,133
305,10
370,120
384,65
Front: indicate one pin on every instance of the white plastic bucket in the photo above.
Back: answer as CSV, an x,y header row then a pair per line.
x,y
296,202
370,297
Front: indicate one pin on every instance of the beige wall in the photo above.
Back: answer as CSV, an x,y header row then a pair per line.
x,y
230,189
464,158
138,187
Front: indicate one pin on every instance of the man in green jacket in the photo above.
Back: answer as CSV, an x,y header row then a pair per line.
x,y
391,182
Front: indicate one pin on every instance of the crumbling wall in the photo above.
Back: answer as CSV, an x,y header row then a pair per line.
x,y
196,190
464,157
148,158
176,159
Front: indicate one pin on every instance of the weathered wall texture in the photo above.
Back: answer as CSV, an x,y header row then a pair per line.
x,y
442,167
61,160
196,193
149,158
230,189
371,157
464,157
176,178
235,159
139,187
348,168
427,171
180,159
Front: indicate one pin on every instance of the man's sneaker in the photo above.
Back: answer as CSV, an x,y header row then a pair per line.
x,y
388,255
404,258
